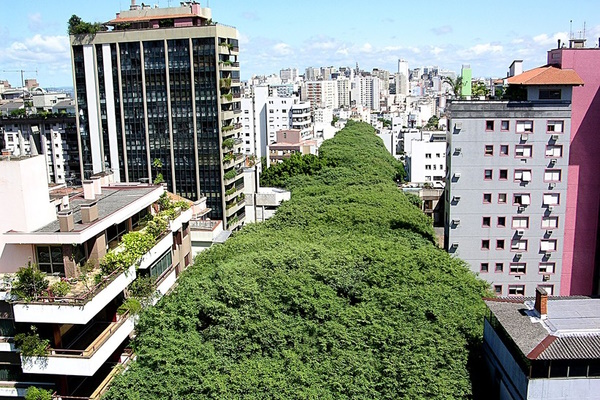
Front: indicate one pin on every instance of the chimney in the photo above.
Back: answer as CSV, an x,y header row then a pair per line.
x,y
5,152
97,185
89,212
541,302
516,68
558,44
88,190
65,219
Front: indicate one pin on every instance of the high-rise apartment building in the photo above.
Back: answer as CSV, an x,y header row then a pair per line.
x,y
506,186
321,94
158,96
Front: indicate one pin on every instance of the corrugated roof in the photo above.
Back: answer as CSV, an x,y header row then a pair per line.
x,y
548,75
575,347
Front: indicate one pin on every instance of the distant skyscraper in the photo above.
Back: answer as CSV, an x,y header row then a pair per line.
x,y
402,85
159,95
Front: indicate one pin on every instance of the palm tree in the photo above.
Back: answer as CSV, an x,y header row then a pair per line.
x,y
455,84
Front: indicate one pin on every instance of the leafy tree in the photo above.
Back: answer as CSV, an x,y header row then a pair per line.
x,y
414,200
76,26
433,122
31,282
455,85
343,294
35,393
479,89
30,344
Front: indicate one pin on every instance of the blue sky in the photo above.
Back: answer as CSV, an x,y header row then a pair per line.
x,y
279,34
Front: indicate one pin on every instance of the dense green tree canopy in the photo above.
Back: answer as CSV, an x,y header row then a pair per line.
x,y
341,295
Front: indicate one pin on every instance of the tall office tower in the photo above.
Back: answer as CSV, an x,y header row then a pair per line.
x,y
506,186
158,95
467,77
402,79
581,256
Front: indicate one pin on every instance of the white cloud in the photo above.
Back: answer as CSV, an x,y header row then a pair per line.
x,y
486,48
436,51
366,48
40,49
282,49
546,40
35,23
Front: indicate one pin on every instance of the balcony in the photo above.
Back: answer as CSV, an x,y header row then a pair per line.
x,y
87,361
184,216
227,115
229,178
233,192
159,249
234,208
75,310
230,160
235,221
229,65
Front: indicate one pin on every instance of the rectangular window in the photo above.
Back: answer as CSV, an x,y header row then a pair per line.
x,y
485,244
487,198
523,175
503,174
50,260
520,222
516,290
505,125
518,268
551,199
523,151
428,167
498,290
501,222
549,222
484,267
555,127
554,150
550,94
524,126
489,150
427,155
499,267
518,245
487,174
547,267
489,125
486,221
552,175
548,245
501,198
499,244
503,149
521,199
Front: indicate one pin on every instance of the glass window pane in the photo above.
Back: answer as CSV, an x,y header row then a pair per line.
x,y
43,255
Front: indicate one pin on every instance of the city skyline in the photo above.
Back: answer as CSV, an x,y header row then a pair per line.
x,y
36,38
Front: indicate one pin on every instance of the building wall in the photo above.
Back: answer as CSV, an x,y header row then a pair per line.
x,y
471,162
580,265
428,162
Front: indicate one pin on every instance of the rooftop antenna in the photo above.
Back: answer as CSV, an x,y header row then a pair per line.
x,y
570,29
583,30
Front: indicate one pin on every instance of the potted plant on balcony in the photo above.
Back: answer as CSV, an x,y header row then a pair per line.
x,y
31,345
31,283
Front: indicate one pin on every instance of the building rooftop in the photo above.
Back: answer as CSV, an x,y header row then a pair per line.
x,y
547,75
571,329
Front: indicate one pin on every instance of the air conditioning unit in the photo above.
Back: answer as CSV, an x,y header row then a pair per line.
x,y
546,277
457,175
518,256
552,185
550,208
458,126
454,245
524,137
548,232
555,137
457,150
456,199
520,232
456,222
521,208
553,161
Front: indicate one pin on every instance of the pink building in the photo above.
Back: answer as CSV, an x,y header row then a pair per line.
x,y
581,244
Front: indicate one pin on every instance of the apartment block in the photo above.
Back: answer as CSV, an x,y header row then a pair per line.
x,y
81,244
506,186
158,99
289,142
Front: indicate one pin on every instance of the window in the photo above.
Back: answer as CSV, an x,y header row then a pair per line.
x,y
520,222
503,174
523,175
427,155
498,290
499,244
554,150
552,175
503,149
550,291
437,155
549,222
160,266
499,267
551,199
484,267
489,150
487,174
489,125
50,259
501,222
505,126
518,244
547,267
501,198
524,126
523,150
548,244
516,290
485,244
487,197
428,167
555,127
518,268
522,199
486,221
550,94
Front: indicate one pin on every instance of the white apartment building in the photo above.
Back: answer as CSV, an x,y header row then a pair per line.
x,y
321,94
343,85
427,162
366,92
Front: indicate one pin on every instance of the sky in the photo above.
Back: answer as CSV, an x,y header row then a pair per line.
x,y
300,34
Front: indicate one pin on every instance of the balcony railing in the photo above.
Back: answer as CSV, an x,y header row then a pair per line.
x,y
203,225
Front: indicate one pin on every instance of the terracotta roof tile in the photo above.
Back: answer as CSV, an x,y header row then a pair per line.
x,y
548,75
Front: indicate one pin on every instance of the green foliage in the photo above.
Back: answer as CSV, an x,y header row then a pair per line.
x,y
30,344
230,174
455,85
228,143
31,283
35,393
164,202
156,226
433,122
76,26
60,288
19,112
341,295
479,89
334,120
184,205
298,164
386,122
159,178
131,305
414,200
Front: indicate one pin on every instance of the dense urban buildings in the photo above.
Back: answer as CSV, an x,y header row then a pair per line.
x,y
158,99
